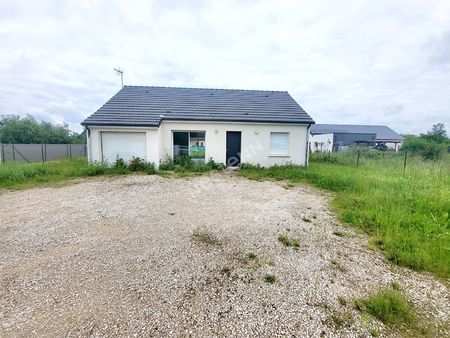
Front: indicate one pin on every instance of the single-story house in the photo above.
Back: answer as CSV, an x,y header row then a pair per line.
x,y
229,126
334,137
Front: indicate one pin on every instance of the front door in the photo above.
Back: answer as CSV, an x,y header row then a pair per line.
x,y
233,148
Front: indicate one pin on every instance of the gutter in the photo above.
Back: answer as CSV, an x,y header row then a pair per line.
x,y
307,145
89,150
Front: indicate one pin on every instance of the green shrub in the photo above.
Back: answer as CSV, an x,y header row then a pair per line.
x,y
95,169
137,164
119,167
183,164
150,168
214,165
427,149
167,164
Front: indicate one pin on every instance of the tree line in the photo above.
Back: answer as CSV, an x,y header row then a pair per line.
x,y
430,146
27,130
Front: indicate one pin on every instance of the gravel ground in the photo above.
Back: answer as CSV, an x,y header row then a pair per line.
x,y
147,255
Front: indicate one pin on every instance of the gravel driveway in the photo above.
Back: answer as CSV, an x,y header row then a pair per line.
x,y
147,255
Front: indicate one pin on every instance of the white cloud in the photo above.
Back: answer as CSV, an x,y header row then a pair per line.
x,y
384,62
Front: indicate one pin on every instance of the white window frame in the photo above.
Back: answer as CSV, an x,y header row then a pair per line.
x,y
287,145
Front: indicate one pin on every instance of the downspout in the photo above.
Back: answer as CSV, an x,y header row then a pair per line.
x,y
307,145
88,136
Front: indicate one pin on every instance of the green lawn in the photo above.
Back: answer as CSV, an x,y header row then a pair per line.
x,y
407,215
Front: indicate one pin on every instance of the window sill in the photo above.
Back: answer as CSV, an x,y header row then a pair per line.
x,y
279,155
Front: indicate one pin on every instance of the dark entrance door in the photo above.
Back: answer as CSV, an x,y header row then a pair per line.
x,y
233,148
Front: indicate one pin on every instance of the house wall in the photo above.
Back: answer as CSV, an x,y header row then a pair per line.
x,y
394,146
152,142
326,140
255,141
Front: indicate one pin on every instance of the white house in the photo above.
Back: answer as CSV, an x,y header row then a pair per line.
x,y
343,135
229,126
321,142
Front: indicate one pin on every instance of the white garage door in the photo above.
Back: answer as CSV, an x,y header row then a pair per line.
x,y
123,145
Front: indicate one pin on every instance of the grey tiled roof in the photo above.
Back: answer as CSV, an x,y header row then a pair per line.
x,y
149,106
382,132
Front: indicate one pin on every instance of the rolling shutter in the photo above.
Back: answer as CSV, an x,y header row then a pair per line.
x,y
123,145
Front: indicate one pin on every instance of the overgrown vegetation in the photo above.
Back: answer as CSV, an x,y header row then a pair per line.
x,y
21,175
389,306
17,175
430,146
406,213
187,164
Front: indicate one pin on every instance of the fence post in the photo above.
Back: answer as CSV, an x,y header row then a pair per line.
x,y
404,163
42,153
13,155
70,150
3,154
45,152
357,161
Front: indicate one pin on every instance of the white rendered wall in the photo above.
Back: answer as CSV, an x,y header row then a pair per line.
x,y
152,139
326,139
255,141
394,146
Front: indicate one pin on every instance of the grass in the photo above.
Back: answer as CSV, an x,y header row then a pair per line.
x,y
374,333
341,234
226,271
406,214
19,175
389,306
392,308
342,300
15,175
337,264
251,255
286,241
270,279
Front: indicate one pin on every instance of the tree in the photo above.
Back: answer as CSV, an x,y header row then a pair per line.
x,y
27,130
437,134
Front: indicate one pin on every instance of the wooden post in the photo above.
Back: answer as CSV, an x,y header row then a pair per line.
x,y
357,161
42,153
3,153
13,155
404,163
45,152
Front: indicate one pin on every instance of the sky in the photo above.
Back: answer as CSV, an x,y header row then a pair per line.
x,y
350,62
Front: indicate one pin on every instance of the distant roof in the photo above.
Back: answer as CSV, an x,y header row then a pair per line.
x,y
149,106
382,132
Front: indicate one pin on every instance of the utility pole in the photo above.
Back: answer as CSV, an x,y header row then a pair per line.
x,y
119,71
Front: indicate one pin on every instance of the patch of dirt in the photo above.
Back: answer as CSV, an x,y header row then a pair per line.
x,y
153,256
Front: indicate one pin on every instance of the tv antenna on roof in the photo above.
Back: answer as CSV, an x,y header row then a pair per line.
x,y
119,71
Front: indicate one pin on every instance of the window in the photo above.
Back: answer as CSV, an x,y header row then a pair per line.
x,y
279,143
189,143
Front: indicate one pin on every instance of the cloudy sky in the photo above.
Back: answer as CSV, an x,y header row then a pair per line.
x,y
360,62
